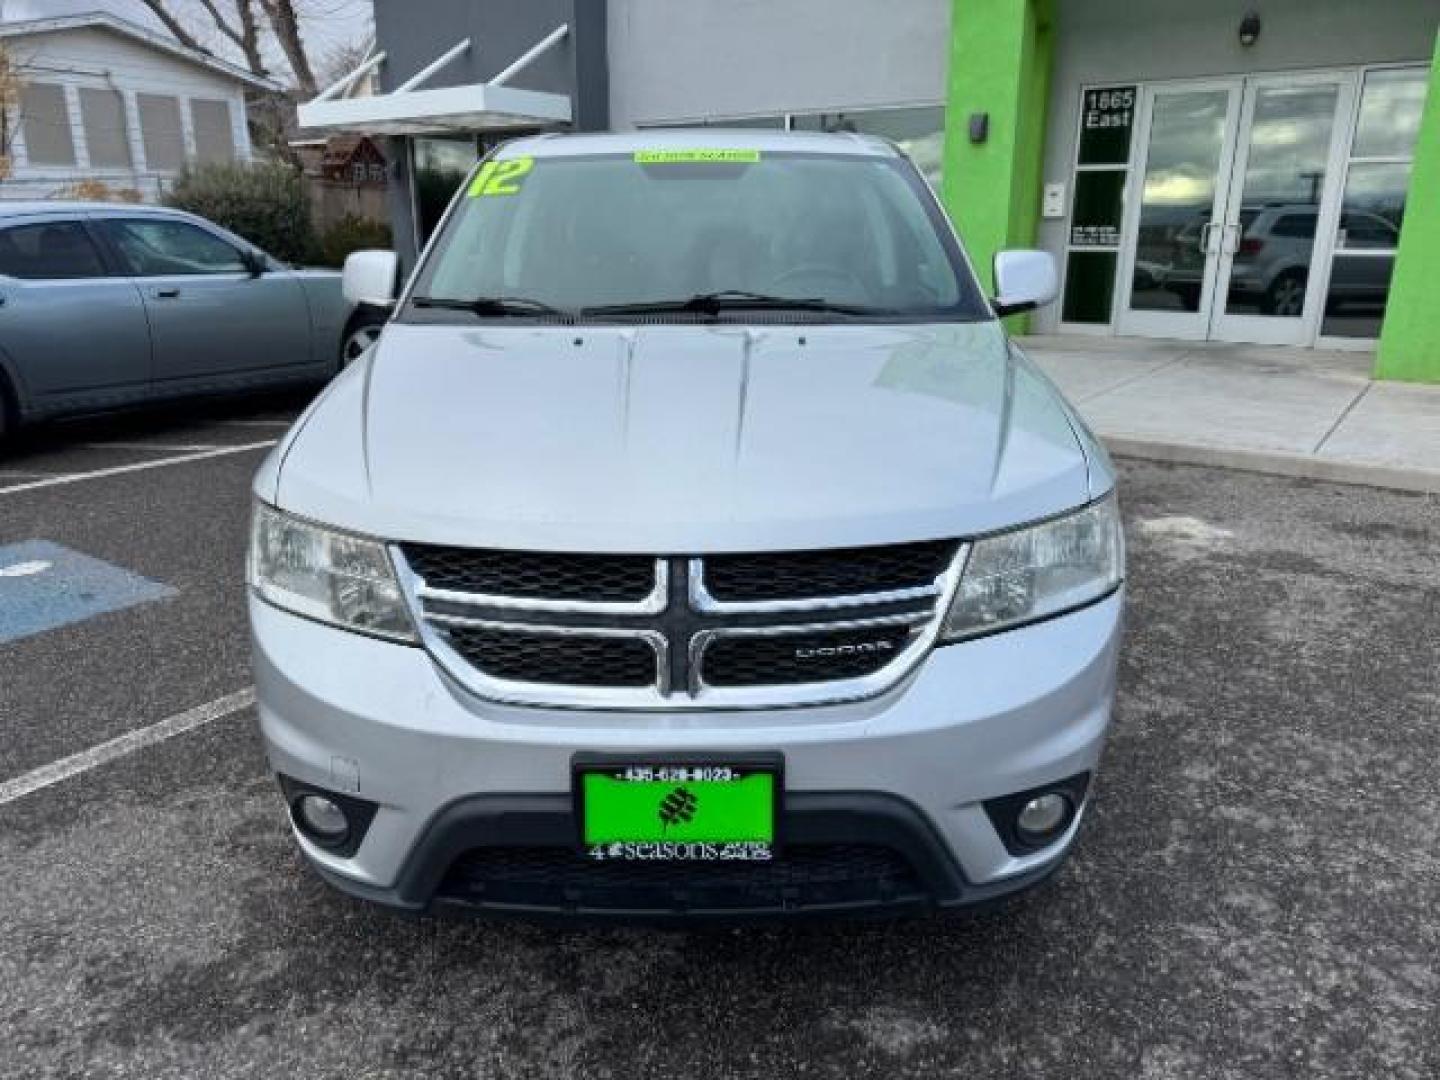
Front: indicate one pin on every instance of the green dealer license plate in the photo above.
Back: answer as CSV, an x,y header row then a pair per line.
x,y
704,811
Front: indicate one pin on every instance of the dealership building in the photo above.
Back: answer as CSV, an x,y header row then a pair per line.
x,y
1262,171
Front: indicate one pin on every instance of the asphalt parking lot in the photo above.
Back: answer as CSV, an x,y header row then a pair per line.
x,y
1255,894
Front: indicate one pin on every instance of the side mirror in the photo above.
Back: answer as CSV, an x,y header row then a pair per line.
x,y
370,278
1024,280
254,262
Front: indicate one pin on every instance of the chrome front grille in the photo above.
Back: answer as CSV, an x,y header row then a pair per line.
x,y
674,632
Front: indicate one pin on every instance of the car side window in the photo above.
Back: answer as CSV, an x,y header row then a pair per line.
x,y
1299,226
52,250
1368,231
154,247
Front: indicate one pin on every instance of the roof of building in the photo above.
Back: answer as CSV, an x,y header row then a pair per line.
x,y
340,148
115,24
708,138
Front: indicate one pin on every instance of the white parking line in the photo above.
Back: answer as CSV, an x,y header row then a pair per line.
x,y
137,466
183,447
131,741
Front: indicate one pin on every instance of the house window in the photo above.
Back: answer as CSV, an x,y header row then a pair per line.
x,y
211,121
46,122
102,111
357,172
161,132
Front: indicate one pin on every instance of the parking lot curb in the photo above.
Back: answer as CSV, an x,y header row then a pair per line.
x,y
1277,463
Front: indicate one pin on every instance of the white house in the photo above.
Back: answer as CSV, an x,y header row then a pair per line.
x,y
104,99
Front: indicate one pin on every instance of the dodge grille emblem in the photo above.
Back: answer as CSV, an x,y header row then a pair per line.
x,y
825,652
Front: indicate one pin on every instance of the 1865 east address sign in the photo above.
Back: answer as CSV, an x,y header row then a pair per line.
x,y
1108,114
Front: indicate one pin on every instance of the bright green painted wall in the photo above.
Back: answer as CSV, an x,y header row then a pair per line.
x,y
1410,339
1001,53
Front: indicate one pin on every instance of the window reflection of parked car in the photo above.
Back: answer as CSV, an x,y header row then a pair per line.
x,y
106,305
1150,274
1271,266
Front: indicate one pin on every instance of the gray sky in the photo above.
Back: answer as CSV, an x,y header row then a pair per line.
x,y
325,24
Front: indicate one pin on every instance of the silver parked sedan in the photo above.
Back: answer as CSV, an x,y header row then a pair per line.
x,y
105,305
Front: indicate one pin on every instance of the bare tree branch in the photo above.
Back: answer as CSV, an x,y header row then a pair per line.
x,y
245,35
175,26
286,27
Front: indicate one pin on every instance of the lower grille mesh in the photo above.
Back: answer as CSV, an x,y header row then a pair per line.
x,y
571,660
804,876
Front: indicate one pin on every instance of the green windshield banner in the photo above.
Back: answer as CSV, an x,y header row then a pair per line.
x,y
692,157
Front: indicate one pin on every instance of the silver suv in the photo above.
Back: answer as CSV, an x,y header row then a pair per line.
x,y
692,543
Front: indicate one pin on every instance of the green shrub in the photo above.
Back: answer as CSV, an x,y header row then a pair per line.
x,y
264,203
352,233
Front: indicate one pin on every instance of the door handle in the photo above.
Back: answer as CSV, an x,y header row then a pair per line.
x,y
1230,239
168,293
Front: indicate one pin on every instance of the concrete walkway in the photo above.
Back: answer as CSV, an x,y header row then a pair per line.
x,y
1298,412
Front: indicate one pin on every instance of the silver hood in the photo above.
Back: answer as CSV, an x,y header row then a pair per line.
x,y
683,439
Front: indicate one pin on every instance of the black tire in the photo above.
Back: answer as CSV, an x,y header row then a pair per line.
x,y
360,333
1285,296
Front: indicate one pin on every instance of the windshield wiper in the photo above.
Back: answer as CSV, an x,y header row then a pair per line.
x,y
495,307
712,303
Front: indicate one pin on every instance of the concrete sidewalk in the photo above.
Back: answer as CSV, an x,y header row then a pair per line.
x,y
1298,412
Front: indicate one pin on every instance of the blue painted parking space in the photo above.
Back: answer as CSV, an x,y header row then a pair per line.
x,y
44,586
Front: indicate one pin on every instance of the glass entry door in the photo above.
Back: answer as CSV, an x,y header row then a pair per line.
x,y
1234,198
1281,209
1172,259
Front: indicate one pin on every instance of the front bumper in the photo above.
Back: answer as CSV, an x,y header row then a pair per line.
x,y
907,771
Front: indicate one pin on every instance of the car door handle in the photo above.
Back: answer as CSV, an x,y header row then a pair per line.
x,y
167,294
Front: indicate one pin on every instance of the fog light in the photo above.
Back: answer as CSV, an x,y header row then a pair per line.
x,y
322,818
1043,815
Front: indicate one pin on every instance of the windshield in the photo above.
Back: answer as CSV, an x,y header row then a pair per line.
x,y
737,229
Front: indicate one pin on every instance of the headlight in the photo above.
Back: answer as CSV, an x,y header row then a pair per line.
x,y
329,576
1039,571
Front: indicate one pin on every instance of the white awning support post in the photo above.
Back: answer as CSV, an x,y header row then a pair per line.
x,y
530,55
414,109
447,57
341,85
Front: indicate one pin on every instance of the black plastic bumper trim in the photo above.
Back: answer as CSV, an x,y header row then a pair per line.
x,y
358,812
809,818
1003,811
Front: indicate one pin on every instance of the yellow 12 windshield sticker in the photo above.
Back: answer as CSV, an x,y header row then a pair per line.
x,y
691,157
501,177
